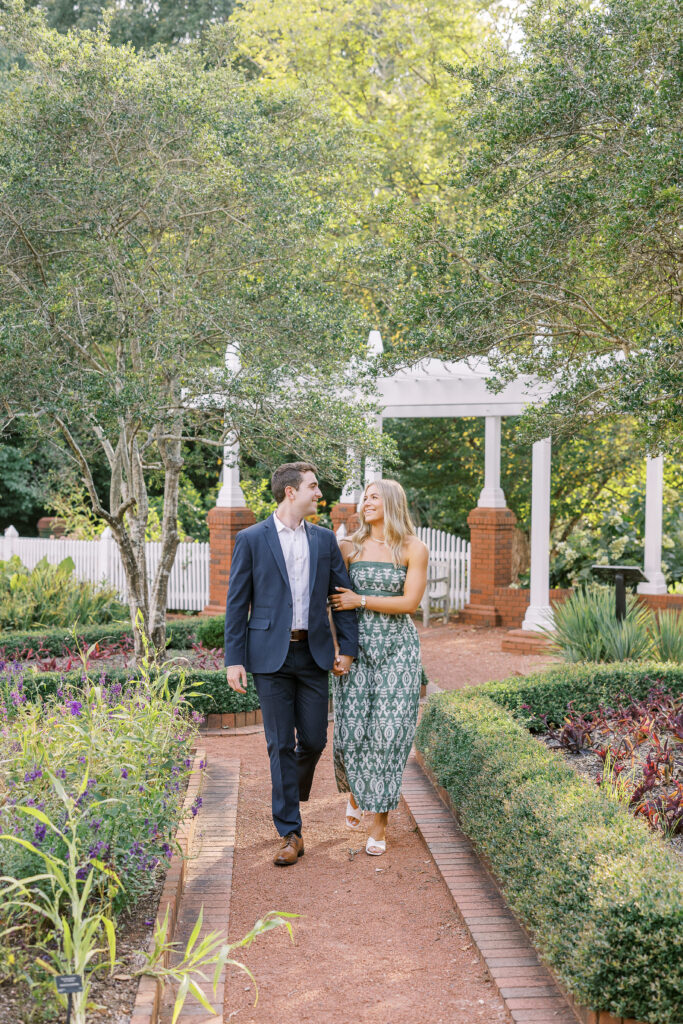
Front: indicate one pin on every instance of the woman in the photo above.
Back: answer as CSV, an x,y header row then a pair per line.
x,y
376,704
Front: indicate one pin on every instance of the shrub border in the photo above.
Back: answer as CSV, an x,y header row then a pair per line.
x,y
496,774
179,636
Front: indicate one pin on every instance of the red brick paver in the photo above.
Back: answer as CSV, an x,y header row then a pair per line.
x,y
208,879
527,987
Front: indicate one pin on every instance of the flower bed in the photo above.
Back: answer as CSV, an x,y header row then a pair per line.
x,y
601,895
90,798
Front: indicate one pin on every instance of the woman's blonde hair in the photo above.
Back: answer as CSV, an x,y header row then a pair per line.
x,y
397,522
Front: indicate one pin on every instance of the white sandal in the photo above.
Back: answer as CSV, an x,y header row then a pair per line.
x,y
355,813
375,847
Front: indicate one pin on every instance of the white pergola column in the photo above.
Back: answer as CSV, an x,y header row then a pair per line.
x,y
492,494
654,490
373,470
539,612
231,494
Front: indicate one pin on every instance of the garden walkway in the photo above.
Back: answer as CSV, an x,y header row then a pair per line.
x,y
379,940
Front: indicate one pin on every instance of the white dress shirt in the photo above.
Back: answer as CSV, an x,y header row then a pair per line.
x,y
294,544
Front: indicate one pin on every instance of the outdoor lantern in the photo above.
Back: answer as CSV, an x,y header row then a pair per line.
x,y
622,576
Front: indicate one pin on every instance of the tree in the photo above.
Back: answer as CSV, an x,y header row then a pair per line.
x,y
379,66
567,260
136,21
156,210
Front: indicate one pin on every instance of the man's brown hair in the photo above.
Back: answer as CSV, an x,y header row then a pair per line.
x,y
290,474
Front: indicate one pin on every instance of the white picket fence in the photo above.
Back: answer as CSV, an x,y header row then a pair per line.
x,y
99,560
188,587
447,548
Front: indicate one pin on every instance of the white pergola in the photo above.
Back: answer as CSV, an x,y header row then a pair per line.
x,y
457,389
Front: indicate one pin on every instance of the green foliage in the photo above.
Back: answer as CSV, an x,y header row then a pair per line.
x,y
210,693
211,631
258,498
586,628
561,265
586,686
181,635
137,22
378,67
601,895
189,239
106,765
166,963
667,635
50,595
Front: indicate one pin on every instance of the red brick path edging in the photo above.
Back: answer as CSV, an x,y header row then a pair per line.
x,y
529,990
147,1000
204,879
525,985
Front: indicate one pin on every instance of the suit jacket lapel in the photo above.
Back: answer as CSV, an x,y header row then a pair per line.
x,y
312,556
276,548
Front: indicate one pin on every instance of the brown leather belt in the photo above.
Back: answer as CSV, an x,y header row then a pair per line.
x,y
298,634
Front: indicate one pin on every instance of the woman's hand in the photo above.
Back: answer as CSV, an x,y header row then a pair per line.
x,y
345,599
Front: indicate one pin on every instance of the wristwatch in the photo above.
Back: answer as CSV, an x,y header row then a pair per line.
x,y
362,601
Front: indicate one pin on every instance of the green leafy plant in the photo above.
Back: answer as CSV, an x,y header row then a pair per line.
x,y
211,951
50,595
211,631
62,896
586,628
667,635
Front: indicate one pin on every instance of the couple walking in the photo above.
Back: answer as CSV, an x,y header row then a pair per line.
x,y
301,605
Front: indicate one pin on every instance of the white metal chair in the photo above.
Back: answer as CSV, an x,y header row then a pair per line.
x,y
437,595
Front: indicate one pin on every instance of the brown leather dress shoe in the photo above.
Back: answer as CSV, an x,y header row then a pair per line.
x,y
291,848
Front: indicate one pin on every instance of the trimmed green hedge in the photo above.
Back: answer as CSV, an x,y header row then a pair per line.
x,y
212,693
587,685
603,897
179,636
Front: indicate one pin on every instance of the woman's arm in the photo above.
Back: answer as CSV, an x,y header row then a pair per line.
x,y
414,588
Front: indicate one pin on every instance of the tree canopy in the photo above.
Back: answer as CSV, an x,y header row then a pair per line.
x,y
566,154
137,21
378,66
157,210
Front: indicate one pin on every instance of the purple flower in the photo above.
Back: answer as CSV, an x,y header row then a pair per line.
x,y
82,873
37,773
166,850
61,773
81,759
124,773
195,806
75,707
39,832
202,765
197,717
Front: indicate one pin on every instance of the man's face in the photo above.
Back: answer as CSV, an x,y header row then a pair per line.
x,y
306,498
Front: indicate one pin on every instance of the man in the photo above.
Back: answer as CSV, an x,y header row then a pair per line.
x,y
277,628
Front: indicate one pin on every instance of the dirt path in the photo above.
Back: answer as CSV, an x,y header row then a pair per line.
x,y
378,940
457,655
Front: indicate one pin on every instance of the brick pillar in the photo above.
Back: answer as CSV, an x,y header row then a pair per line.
x,y
491,532
224,525
345,512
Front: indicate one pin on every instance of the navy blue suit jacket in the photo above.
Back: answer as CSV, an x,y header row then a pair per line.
x,y
258,615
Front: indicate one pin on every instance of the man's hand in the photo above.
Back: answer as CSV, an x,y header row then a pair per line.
x,y
237,678
342,664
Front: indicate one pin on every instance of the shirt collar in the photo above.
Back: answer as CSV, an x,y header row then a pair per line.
x,y
281,527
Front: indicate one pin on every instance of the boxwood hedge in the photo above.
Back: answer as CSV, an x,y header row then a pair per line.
x,y
586,685
602,896
212,693
180,634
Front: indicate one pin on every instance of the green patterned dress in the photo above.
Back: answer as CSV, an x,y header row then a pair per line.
x,y
376,704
